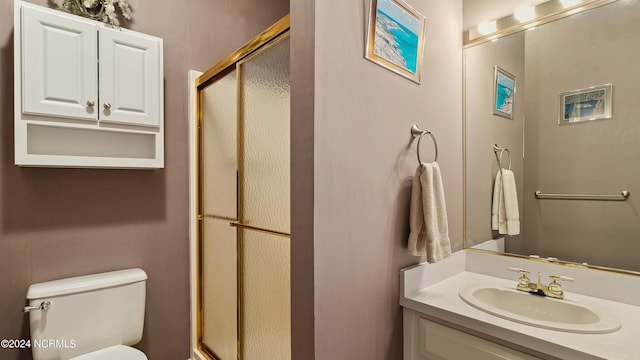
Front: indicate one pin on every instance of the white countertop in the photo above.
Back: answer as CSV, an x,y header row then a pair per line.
x,y
440,300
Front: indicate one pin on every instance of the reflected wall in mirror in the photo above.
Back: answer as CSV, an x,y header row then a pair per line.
x,y
591,48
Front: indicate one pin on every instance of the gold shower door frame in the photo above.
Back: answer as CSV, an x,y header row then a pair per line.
x,y
232,64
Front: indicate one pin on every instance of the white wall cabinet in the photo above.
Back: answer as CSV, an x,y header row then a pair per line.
x,y
129,68
428,340
60,65
86,95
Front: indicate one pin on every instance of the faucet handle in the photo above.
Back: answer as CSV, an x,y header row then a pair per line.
x,y
555,278
518,270
524,281
554,289
524,274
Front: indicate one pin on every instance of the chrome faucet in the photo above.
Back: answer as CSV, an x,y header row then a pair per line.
x,y
553,290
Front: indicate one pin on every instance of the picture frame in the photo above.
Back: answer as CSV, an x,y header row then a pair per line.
x,y
504,93
587,104
395,38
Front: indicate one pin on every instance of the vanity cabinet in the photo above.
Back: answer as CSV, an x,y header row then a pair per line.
x,y
86,94
427,340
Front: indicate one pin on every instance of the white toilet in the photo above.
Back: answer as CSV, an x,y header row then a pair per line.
x,y
92,317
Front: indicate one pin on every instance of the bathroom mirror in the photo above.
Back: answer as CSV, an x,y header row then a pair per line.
x,y
590,49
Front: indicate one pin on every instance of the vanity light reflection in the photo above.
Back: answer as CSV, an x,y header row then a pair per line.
x,y
525,13
526,16
487,27
569,3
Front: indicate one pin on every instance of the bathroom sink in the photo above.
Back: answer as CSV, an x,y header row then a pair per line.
x,y
567,314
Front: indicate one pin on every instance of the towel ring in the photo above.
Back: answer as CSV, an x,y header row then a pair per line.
x,y
415,132
496,148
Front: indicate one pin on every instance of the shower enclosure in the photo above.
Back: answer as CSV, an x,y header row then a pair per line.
x,y
243,202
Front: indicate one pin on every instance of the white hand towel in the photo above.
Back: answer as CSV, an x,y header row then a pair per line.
x,y
428,215
498,219
510,195
505,216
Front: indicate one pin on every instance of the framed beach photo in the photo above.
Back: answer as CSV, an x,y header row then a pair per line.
x,y
504,93
592,103
395,38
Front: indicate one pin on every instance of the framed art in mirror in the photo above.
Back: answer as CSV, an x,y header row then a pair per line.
x,y
504,90
593,103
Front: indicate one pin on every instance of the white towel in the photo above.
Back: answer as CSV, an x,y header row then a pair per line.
x,y
498,219
428,215
505,216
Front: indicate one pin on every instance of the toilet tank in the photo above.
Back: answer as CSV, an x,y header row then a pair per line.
x,y
87,313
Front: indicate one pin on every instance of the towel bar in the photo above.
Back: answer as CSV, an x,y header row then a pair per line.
x,y
497,148
622,197
415,132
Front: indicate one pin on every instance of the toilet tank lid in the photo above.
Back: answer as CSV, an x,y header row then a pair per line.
x,y
85,283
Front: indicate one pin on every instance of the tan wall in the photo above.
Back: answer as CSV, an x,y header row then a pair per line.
x,y
598,157
364,160
63,222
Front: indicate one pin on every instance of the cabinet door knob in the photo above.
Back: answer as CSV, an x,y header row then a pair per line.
x,y
90,103
107,106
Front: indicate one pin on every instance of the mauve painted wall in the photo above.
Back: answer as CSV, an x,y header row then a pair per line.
x,y
302,179
365,160
66,222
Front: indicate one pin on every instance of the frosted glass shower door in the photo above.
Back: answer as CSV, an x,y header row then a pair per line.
x,y
244,210
218,197
265,196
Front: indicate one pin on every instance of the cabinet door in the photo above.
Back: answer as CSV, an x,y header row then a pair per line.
x,y
130,78
59,65
439,342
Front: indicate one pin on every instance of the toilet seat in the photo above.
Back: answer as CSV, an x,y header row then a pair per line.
x,y
120,352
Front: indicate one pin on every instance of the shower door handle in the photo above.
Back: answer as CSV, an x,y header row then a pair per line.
x,y
256,228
